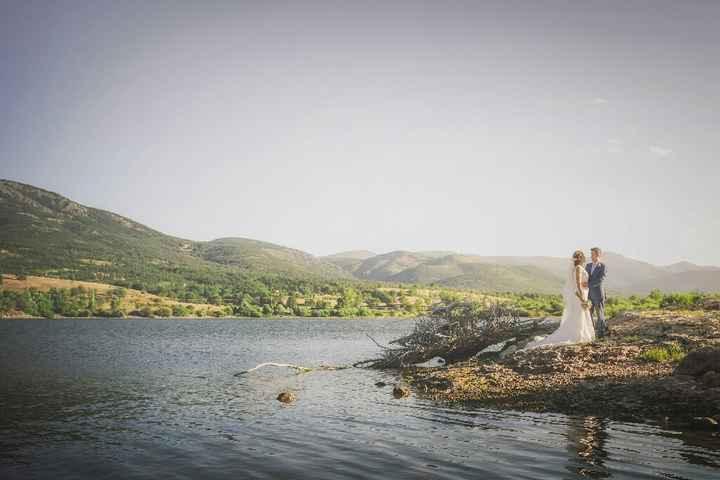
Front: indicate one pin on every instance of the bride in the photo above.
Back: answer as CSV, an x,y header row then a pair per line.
x,y
576,325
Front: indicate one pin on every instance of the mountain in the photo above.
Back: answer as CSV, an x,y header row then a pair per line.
x,y
527,273
682,267
254,255
464,271
349,261
43,232
702,281
352,254
383,267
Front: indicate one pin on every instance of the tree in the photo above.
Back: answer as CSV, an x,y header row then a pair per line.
x,y
26,303
349,299
116,307
44,306
92,302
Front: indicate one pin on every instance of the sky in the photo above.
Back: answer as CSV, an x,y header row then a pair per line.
x,y
487,127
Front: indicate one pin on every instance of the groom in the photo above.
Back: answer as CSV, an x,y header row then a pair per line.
x,y
596,274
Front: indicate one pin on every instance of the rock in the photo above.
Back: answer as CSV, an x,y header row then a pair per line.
x,y
400,391
711,305
698,362
380,384
434,362
711,379
286,397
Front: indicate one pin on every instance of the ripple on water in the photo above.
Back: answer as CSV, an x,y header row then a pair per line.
x,y
141,399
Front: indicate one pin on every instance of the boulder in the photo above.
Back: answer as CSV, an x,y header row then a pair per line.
x,y
286,397
698,362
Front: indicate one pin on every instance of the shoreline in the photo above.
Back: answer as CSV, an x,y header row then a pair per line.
x,y
615,377
233,317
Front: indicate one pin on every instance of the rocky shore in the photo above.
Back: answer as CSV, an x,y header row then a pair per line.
x,y
660,364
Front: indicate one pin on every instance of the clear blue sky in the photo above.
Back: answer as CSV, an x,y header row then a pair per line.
x,y
497,128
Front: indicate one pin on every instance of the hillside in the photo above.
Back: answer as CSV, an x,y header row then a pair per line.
x,y
526,273
384,267
45,233
682,267
351,255
349,261
107,298
707,281
460,271
257,256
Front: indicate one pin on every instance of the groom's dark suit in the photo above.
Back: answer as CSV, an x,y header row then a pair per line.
x,y
597,296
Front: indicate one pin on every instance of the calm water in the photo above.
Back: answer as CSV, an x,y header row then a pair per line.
x,y
156,398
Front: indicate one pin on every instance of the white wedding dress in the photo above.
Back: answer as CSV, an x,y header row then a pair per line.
x,y
576,325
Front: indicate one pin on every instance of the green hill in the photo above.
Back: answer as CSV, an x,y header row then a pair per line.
x,y
47,234
257,256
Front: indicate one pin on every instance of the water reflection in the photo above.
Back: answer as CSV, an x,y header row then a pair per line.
x,y
586,440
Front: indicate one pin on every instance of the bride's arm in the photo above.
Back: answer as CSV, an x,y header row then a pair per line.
x,y
578,283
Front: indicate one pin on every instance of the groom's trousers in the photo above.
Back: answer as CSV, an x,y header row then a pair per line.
x,y
597,310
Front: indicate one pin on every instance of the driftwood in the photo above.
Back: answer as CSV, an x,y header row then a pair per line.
x,y
299,368
455,332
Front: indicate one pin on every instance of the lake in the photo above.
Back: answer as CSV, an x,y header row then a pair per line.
x,y
100,398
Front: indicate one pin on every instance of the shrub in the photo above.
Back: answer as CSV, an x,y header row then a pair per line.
x,y
681,300
663,354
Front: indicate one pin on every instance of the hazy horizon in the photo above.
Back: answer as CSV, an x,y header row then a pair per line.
x,y
485,127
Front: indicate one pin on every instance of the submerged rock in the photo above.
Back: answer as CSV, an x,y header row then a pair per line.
x,y
400,391
380,384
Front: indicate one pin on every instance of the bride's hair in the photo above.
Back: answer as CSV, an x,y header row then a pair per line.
x,y
578,257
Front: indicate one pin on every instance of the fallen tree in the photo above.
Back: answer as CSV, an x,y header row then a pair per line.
x,y
456,332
